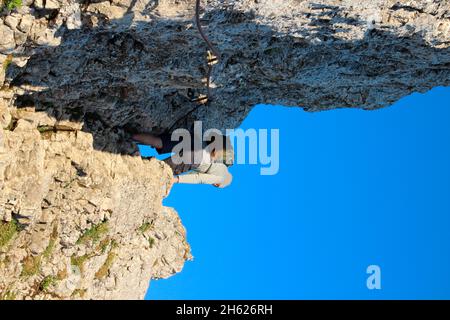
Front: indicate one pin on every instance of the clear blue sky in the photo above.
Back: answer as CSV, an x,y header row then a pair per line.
x,y
355,188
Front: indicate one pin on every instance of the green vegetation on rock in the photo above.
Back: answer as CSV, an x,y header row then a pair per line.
x,y
7,231
94,234
8,295
31,266
12,4
103,271
46,283
79,261
51,244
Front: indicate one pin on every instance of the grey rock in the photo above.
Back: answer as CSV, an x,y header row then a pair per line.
x,y
316,54
20,37
6,39
25,23
39,4
52,4
5,116
11,21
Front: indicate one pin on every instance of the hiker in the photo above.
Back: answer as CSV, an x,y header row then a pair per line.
x,y
212,167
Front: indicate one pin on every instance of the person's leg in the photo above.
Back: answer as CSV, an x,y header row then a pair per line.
x,y
148,139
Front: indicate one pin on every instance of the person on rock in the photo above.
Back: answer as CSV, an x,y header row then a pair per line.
x,y
206,164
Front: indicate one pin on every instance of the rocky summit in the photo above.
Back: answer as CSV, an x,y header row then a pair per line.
x,y
81,214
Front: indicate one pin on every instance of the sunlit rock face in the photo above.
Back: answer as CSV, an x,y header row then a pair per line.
x,y
78,223
81,214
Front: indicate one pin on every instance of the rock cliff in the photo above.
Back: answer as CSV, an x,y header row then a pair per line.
x,y
81,215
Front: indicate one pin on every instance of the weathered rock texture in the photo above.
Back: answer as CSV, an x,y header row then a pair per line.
x,y
79,76
90,224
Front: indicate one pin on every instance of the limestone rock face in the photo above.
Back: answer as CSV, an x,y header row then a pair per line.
x,y
81,214
90,224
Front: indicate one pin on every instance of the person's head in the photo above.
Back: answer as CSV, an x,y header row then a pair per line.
x,y
225,156
226,182
224,152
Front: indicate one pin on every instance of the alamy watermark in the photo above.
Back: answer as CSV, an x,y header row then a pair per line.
x,y
374,279
251,146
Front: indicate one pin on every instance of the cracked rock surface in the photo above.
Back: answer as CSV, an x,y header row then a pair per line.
x,y
91,223
81,214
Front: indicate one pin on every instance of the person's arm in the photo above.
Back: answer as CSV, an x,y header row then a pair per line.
x,y
199,178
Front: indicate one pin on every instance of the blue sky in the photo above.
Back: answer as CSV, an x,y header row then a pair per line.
x,y
355,188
